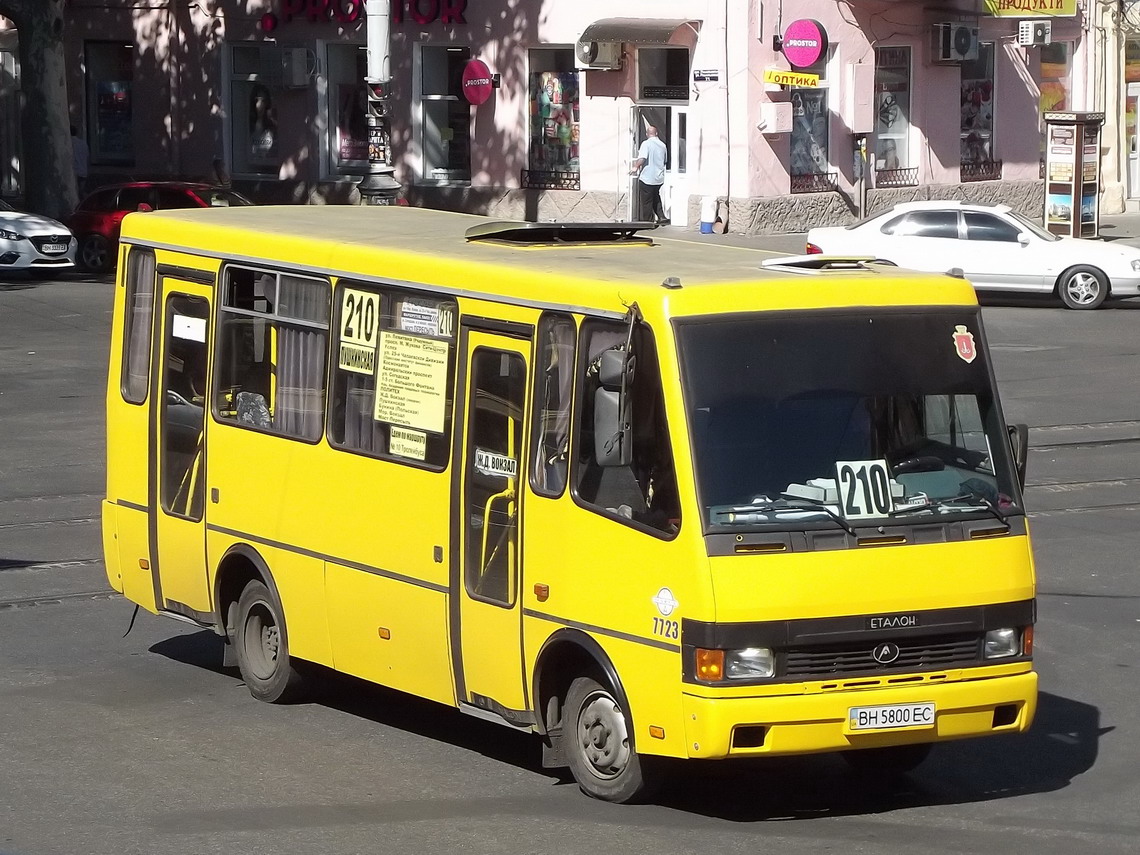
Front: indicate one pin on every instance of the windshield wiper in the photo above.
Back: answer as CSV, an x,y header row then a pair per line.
x,y
934,504
793,505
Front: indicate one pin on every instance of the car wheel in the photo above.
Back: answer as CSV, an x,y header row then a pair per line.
x,y
262,647
95,253
1082,287
889,762
598,745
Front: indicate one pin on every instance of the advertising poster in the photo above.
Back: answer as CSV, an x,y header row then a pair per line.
x,y
1061,152
1059,208
554,121
113,136
809,132
1090,154
1088,208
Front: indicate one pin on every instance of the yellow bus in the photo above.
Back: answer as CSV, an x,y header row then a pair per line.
x,y
646,498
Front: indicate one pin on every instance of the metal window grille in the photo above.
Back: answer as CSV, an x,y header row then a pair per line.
x,y
536,179
984,170
815,182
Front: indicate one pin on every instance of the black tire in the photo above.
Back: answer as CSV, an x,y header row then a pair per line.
x,y
262,647
889,762
1082,287
95,254
599,748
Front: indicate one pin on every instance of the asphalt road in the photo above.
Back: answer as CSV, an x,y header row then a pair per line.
x,y
145,744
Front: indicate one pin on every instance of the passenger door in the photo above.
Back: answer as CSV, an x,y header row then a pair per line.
x,y
489,472
995,259
178,449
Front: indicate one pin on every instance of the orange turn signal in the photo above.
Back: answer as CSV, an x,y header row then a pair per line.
x,y
656,731
1027,641
384,632
710,664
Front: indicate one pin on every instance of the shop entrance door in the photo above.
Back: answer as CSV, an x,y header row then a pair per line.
x,y
672,123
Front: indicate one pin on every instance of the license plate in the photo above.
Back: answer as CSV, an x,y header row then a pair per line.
x,y
890,716
55,247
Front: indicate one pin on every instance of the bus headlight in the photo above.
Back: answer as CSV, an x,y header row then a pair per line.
x,y
749,663
1000,643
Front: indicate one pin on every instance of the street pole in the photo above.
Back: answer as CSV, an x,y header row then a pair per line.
x,y
379,186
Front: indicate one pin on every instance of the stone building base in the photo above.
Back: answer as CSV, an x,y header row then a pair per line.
x,y
755,216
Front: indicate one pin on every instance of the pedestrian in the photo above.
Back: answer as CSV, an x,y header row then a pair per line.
x,y
80,157
649,167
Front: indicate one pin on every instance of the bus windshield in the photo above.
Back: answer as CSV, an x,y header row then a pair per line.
x,y
824,419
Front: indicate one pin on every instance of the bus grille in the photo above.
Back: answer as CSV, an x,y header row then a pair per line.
x,y
915,654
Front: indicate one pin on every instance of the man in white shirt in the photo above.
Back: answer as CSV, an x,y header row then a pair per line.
x,y
649,167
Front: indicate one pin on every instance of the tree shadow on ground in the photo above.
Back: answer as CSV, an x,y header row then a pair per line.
x,y
1061,745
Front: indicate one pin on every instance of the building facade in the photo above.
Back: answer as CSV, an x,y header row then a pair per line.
x,y
781,113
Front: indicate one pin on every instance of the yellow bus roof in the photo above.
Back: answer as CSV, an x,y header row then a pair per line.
x,y
416,245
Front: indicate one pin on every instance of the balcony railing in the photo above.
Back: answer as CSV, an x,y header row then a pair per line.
x,y
815,182
896,177
983,170
536,179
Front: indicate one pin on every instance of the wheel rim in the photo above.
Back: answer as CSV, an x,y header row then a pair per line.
x,y
262,641
1082,288
602,737
94,255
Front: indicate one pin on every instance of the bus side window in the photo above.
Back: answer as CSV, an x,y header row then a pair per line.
x,y
139,313
554,383
273,352
381,334
645,491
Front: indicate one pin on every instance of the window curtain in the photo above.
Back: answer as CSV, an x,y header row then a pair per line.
x,y
301,353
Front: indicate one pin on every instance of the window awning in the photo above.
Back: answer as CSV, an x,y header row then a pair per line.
x,y
639,31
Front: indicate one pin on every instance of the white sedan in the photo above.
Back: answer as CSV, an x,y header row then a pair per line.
x,y
994,247
33,243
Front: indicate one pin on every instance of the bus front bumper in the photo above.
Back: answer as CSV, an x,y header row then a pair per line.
x,y
799,724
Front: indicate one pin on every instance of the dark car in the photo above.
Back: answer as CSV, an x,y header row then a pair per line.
x,y
97,220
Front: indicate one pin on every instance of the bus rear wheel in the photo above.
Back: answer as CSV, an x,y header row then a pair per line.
x,y
262,647
598,745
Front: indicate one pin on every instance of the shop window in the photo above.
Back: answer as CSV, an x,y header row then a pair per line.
x,y
109,71
809,140
892,117
253,109
348,108
977,144
663,73
445,115
1056,70
1131,75
553,95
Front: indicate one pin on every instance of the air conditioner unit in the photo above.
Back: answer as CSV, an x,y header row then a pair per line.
x,y
296,68
598,55
1030,33
953,42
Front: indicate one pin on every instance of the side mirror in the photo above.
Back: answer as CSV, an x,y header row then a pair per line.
x,y
1019,445
1023,238
613,439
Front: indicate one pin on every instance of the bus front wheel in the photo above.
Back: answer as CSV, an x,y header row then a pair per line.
x,y
598,745
262,647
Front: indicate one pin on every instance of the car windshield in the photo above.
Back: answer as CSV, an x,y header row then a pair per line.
x,y
1027,223
4,206
818,419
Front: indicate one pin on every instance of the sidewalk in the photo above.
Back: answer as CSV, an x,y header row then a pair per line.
x,y
1123,227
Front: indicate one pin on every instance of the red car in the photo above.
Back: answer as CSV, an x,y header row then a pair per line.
x,y
97,220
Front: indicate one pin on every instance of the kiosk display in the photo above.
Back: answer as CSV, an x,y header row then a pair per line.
x,y
1072,173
